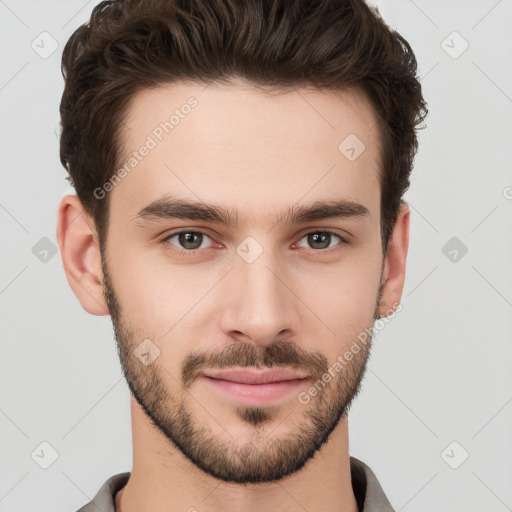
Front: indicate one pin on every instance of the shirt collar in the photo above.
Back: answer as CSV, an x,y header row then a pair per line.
x,y
367,489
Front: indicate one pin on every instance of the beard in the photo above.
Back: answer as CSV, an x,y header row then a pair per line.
x,y
262,458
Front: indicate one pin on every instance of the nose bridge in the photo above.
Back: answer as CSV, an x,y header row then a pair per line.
x,y
260,304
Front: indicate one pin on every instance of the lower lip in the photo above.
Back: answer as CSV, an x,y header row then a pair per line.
x,y
256,393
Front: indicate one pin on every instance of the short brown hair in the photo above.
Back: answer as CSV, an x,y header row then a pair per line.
x,y
131,45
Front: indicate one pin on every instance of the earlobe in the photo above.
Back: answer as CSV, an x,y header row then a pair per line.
x,y
80,254
395,264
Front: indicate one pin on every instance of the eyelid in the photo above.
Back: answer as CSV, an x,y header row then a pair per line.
x,y
342,234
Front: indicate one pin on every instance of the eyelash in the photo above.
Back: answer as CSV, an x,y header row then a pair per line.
x,y
194,252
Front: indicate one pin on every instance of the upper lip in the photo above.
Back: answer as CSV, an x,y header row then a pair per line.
x,y
245,376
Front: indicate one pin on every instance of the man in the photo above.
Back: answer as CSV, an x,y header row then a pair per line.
x,y
239,169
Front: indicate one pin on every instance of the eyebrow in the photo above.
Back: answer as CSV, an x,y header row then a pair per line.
x,y
173,208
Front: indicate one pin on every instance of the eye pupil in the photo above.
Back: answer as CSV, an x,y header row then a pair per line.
x,y
320,237
188,238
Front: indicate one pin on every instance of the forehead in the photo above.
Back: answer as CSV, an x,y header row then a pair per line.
x,y
248,149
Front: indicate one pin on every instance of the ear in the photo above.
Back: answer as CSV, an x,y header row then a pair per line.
x,y
80,252
394,267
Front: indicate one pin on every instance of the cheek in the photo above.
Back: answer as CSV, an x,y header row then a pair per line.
x,y
344,301
154,294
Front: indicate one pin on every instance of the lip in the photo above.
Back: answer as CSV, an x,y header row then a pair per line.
x,y
253,388
244,376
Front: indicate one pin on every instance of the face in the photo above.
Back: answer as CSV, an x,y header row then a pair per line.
x,y
282,271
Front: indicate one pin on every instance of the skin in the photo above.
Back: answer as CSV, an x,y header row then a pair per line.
x,y
297,305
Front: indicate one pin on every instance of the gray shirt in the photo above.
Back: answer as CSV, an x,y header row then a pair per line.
x,y
368,492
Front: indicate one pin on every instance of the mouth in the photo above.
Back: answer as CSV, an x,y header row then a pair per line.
x,y
255,387
244,376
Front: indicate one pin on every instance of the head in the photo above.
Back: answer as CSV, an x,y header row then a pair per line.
x,y
240,170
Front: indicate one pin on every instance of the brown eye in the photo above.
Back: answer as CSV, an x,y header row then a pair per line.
x,y
187,240
321,239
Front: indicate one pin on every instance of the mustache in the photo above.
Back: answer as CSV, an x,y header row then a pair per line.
x,y
281,354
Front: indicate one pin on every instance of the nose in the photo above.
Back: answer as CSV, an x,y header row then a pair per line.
x,y
260,305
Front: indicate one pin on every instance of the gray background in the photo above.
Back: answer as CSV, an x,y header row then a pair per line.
x,y
439,383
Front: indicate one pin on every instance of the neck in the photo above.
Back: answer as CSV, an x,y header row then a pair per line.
x,y
164,480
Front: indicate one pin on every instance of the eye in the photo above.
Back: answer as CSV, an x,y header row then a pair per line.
x,y
190,241
321,239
